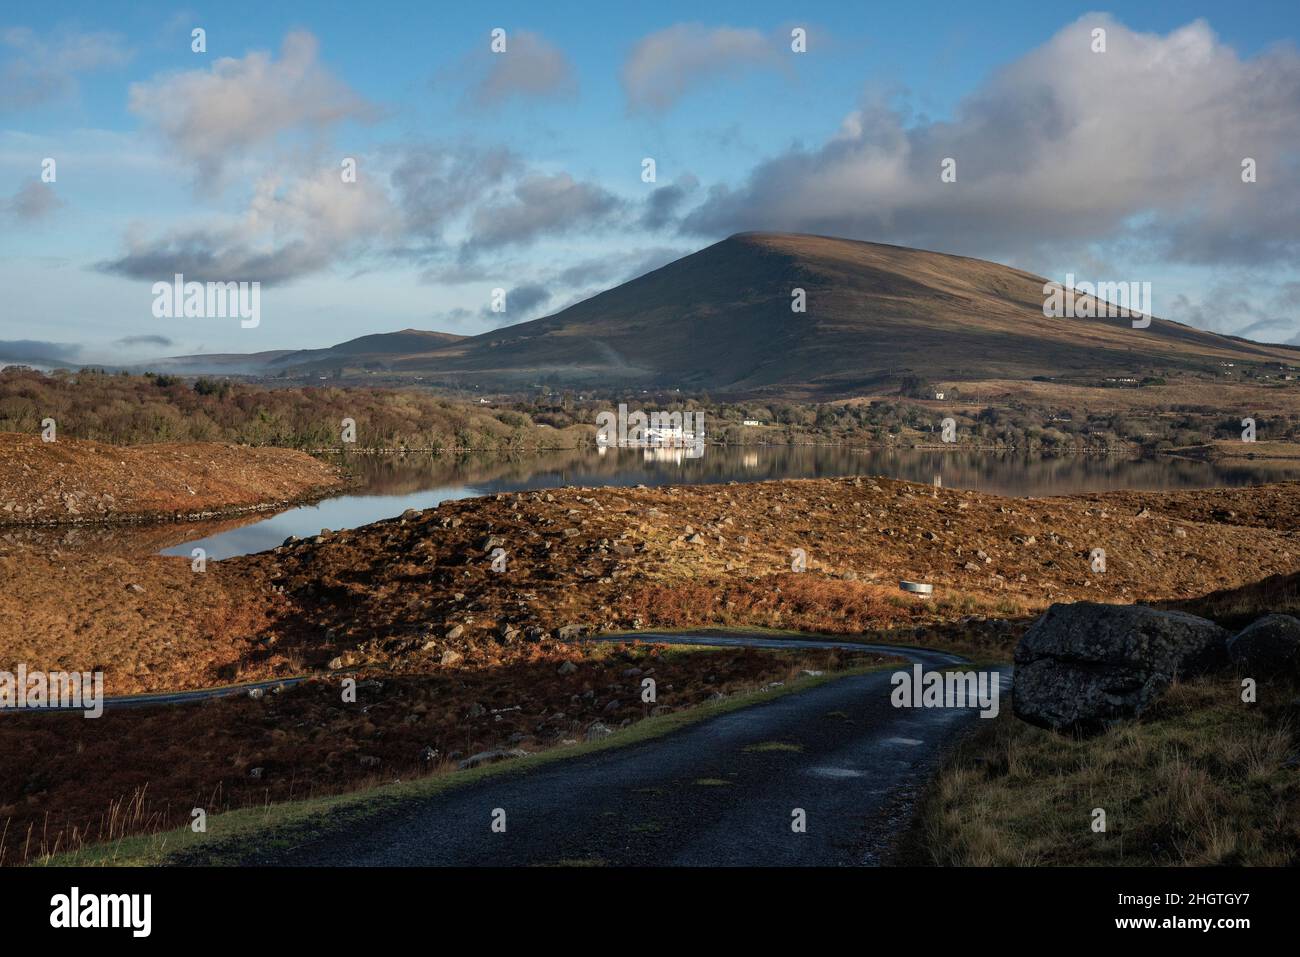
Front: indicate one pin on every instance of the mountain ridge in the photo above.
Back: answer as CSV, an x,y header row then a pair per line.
x,y
721,320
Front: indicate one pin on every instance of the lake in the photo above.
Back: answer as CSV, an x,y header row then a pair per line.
x,y
392,484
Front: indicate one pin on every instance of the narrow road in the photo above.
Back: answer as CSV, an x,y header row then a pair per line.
x,y
724,791
154,699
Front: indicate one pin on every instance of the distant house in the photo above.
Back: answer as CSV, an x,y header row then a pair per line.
x,y
751,422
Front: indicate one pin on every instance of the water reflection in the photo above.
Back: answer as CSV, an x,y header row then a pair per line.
x,y
393,484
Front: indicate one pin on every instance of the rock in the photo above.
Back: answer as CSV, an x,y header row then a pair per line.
x,y
256,773
597,730
568,632
455,632
612,706
491,757
1082,666
696,539
567,668
450,657
429,755
135,588
491,542
476,710
369,761
1268,647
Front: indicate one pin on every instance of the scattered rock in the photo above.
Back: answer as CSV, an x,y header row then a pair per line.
x,y
597,730
566,668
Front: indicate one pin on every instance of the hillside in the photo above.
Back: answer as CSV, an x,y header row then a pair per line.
x,y
721,320
70,481
376,348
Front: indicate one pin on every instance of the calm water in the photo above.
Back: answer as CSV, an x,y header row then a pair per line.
x,y
394,484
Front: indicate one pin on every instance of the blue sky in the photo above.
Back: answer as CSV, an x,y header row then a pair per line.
x,y
522,170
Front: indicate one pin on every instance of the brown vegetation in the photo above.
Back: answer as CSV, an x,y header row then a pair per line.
x,y
70,481
135,409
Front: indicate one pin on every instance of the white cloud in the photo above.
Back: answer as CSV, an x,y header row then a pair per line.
x,y
530,66
211,116
665,65
286,232
1139,147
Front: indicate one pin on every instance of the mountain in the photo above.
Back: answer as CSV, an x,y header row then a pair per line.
x,y
721,320
377,350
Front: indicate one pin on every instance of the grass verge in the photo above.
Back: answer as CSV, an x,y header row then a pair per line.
x,y
1200,779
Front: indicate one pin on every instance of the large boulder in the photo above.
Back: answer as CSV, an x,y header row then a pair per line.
x,y
1268,648
1082,666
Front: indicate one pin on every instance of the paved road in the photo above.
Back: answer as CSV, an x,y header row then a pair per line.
x,y
115,702
719,792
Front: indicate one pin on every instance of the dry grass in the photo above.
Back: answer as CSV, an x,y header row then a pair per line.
x,y
1201,779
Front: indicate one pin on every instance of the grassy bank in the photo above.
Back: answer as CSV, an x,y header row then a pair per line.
x,y
1200,779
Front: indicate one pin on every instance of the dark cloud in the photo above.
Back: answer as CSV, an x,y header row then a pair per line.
x,y
132,341
663,204
33,201
434,185
522,303
541,204
35,350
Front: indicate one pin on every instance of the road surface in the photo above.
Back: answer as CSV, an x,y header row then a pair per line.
x,y
723,791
